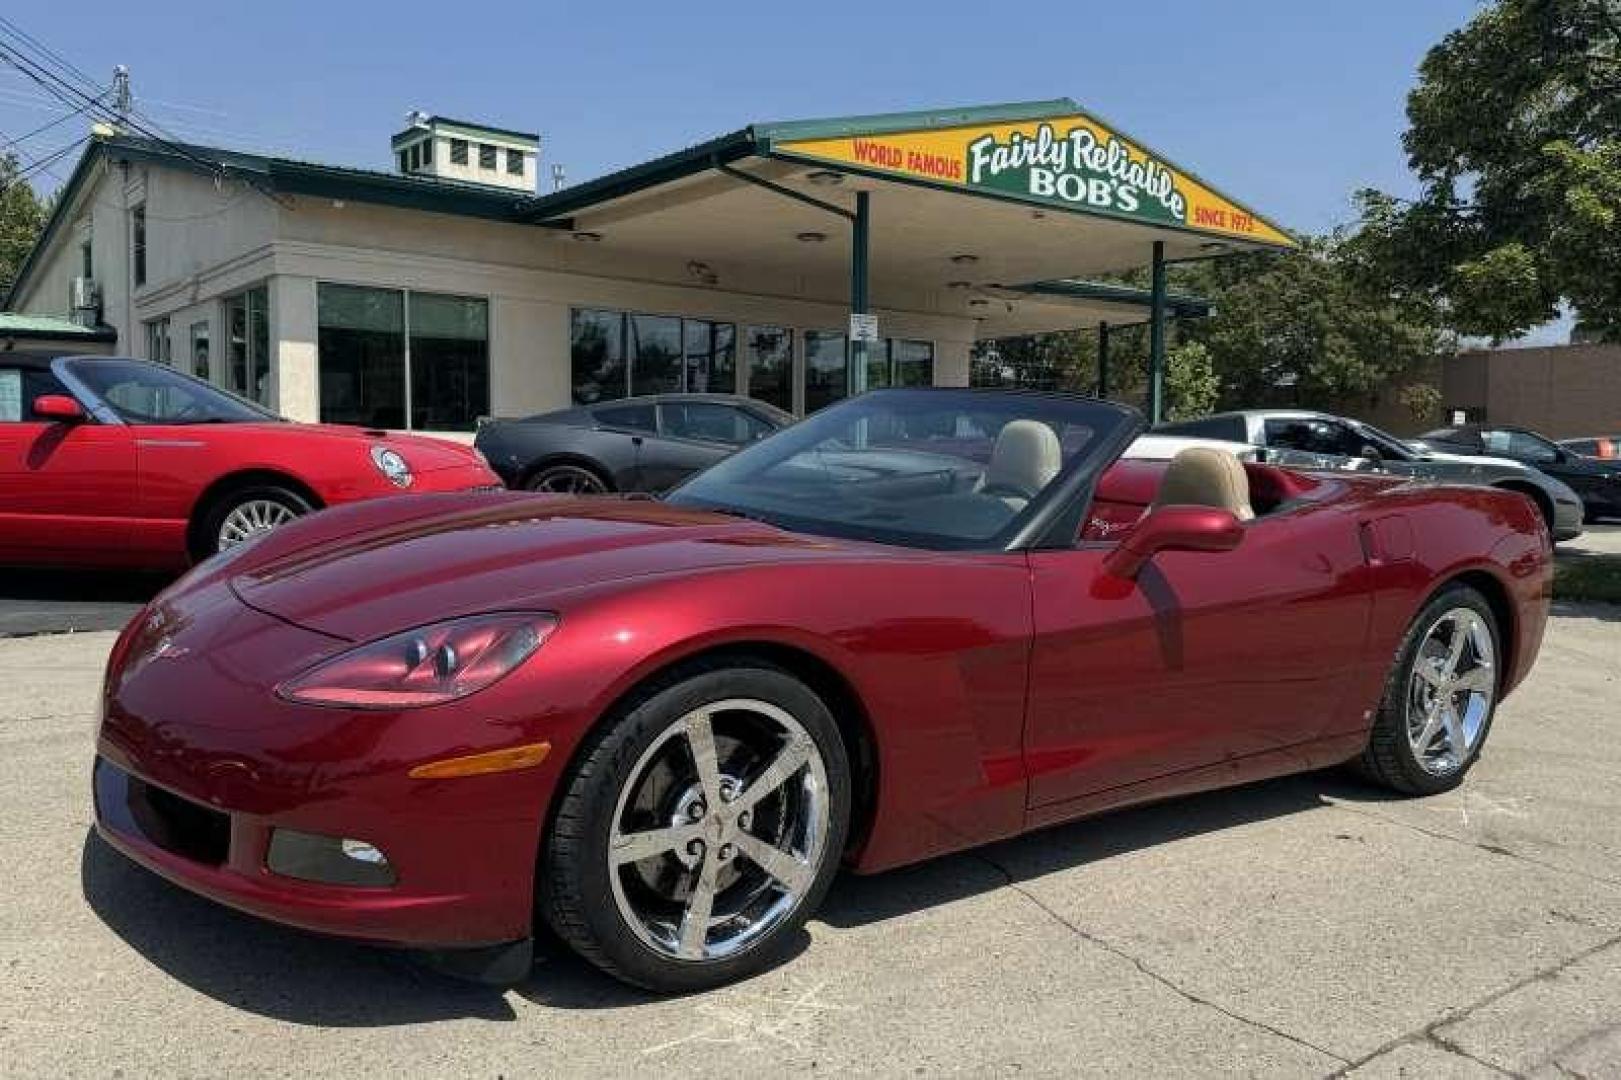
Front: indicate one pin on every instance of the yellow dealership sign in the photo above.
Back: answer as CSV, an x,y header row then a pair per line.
x,y
1069,161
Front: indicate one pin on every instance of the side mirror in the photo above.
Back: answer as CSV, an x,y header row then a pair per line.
x,y
58,408
1174,528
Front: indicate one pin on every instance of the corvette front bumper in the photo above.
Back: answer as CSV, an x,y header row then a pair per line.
x,y
199,768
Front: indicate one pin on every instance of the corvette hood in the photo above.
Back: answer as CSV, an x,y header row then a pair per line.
x,y
518,553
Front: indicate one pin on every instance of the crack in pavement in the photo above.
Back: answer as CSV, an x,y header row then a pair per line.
x,y
1170,984
1478,845
1430,1032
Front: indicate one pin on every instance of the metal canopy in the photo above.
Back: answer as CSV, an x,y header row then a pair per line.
x,y
991,213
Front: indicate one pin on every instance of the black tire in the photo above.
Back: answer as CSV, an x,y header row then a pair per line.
x,y
575,893
568,477
1389,759
206,532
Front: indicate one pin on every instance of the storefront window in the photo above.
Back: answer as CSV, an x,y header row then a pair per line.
x,y
826,380
449,360
158,346
392,359
597,352
614,354
199,350
900,362
911,363
247,327
711,357
362,345
771,365
655,354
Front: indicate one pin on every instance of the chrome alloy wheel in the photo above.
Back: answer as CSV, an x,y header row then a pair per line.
x,y
250,518
568,480
1451,691
719,831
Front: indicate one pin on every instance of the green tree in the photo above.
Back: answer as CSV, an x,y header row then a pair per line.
x,y
1514,132
1191,385
22,216
1305,327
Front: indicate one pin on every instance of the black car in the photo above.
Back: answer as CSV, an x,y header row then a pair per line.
x,y
1596,480
632,444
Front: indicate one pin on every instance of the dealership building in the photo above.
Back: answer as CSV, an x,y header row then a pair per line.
x,y
793,262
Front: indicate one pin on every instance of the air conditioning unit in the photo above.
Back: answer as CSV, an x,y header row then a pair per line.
x,y
84,301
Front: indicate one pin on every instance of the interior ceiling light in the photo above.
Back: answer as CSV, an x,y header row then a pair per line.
x,y
1038,214
825,178
810,237
965,260
959,284
588,237
979,301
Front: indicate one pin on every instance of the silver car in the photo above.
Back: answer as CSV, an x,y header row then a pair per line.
x,y
1320,440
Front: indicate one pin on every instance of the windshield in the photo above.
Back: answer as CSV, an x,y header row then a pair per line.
x,y
921,468
141,392
1387,444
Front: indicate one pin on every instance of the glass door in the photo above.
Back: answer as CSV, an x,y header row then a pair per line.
x,y
827,378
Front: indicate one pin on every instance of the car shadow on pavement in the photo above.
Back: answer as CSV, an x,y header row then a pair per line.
x,y
303,978
859,901
44,601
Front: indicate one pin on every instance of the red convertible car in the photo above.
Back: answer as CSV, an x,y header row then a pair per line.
x,y
917,621
119,463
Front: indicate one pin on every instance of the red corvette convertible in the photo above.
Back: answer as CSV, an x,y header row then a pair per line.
x,y
112,462
917,621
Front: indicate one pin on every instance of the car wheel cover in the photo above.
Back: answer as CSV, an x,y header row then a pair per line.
x,y
719,830
1450,694
251,517
568,480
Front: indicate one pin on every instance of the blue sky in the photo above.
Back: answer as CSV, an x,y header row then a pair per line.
x,y
1289,106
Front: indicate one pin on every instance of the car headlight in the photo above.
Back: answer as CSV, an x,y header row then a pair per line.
x,y
430,665
391,465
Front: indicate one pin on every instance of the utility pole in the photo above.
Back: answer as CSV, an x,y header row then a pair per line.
x,y
121,96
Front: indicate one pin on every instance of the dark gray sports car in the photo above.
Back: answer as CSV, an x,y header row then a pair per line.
x,y
633,444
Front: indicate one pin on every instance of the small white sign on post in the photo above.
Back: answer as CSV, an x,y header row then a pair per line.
x,y
863,327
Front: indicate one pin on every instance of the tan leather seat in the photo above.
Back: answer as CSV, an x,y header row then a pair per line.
x,y
1205,476
1024,460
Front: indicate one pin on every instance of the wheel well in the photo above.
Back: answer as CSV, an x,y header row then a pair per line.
x,y
567,459
1497,598
824,680
236,481
1536,494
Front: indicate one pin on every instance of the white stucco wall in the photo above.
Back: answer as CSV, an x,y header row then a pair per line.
x,y
206,242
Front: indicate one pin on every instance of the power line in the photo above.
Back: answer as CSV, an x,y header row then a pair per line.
x,y
76,97
43,128
44,163
61,88
63,64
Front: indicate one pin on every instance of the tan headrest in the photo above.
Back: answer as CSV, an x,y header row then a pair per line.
x,y
1205,476
1025,458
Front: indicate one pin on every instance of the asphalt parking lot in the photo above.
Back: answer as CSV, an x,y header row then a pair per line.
x,y
1302,927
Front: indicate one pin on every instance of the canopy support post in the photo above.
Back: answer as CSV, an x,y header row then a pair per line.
x,y
1103,359
857,375
1156,338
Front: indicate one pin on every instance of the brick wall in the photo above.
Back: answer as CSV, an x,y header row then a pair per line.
x,y
1563,391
